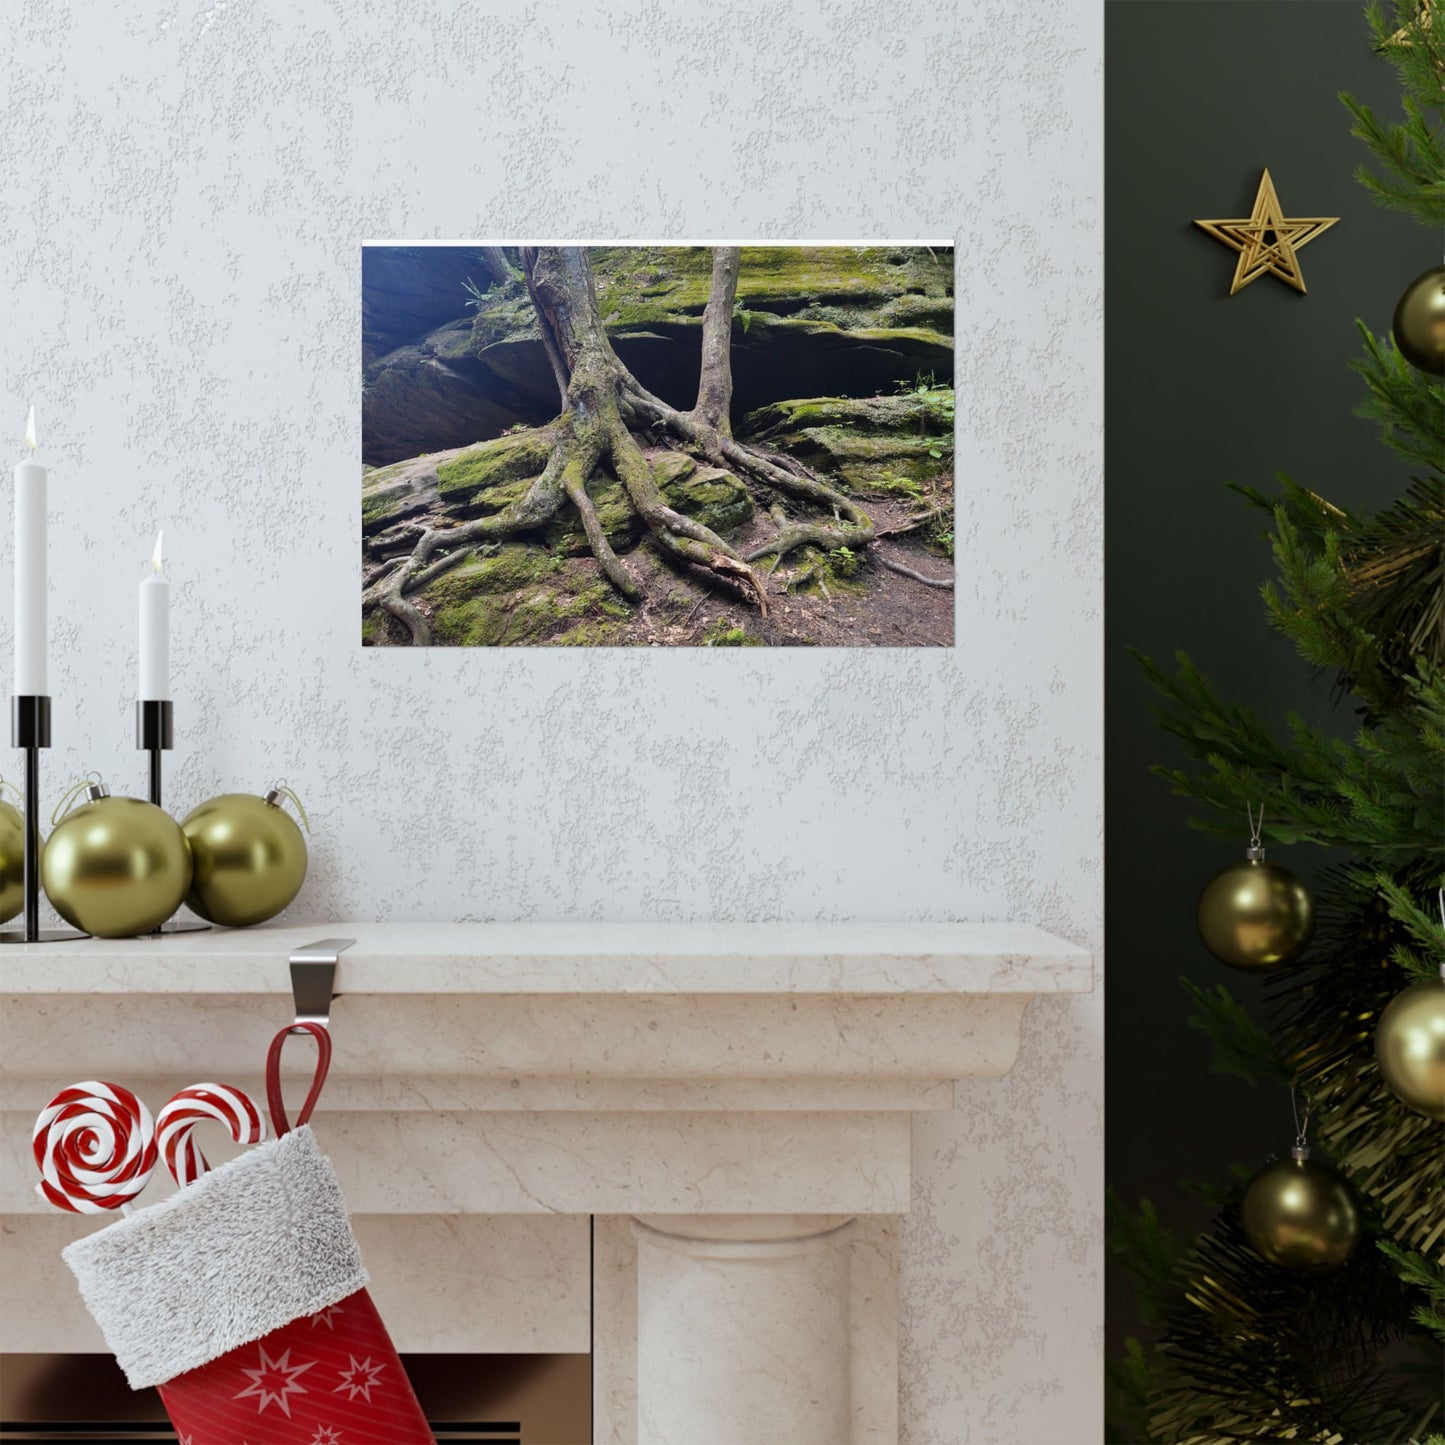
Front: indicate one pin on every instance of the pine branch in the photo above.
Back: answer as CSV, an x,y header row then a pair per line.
x,y
1424,1275
1241,1046
1126,1396
1405,401
1378,795
1146,1249
1423,929
1409,172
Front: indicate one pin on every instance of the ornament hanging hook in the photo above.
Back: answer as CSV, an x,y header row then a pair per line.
x,y
1301,1129
67,800
1440,900
1255,851
281,790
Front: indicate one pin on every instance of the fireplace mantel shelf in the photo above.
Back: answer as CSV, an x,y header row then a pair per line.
x,y
732,1102
574,958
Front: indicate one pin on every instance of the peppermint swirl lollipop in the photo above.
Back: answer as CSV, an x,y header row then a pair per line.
x,y
95,1145
200,1104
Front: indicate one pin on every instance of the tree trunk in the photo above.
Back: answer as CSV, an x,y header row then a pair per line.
x,y
715,385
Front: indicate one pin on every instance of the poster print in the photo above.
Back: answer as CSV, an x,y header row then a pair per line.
x,y
657,445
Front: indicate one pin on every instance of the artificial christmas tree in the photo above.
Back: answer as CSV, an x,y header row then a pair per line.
x,y
1251,1349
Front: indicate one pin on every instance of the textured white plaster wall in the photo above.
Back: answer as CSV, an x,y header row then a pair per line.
x,y
183,190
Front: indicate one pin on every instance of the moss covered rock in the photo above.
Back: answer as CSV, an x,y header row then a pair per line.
x,y
708,495
519,596
879,445
482,479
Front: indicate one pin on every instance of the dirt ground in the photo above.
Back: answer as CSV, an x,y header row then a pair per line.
x,y
878,607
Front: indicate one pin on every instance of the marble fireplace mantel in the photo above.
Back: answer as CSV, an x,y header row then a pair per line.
x,y
732,1102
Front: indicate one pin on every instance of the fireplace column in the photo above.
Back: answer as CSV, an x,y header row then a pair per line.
x,y
743,1329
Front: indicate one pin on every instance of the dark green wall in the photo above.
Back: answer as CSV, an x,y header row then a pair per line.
x,y
1201,389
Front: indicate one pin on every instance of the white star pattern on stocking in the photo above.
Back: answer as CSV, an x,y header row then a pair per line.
x,y
359,1378
326,1435
274,1382
326,1317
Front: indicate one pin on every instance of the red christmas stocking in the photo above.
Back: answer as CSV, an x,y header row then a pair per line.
x,y
243,1298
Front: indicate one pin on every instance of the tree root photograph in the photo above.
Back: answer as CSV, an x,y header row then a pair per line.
x,y
657,446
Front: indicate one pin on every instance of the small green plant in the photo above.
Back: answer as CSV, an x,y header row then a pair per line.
x,y
935,408
475,294
846,562
741,313
516,426
942,538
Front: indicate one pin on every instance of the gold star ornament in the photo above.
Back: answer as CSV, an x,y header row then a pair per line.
x,y
1267,240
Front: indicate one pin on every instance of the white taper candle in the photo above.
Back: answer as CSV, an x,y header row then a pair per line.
x,y
30,628
155,632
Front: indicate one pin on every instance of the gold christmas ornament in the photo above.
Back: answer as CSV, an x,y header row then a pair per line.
x,y
250,857
1300,1214
114,867
1267,241
1419,323
1410,1047
12,857
1256,916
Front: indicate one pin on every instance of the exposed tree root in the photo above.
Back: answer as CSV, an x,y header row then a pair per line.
x,y
922,577
604,410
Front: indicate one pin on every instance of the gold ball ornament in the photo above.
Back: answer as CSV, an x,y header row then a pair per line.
x,y
1256,916
12,861
1419,323
1300,1214
250,857
1410,1047
115,867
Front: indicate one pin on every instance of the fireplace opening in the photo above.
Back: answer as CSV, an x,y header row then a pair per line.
x,y
500,1399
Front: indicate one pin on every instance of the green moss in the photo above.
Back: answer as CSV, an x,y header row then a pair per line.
x,y
380,507
524,596
872,445
588,634
518,456
639,287
721,635
615,514
671,467
708,495
891,484
387,493
514,565
713,497
816,574
870,414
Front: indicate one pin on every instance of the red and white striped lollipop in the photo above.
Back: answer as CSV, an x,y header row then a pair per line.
x,y
95,1145
204,1104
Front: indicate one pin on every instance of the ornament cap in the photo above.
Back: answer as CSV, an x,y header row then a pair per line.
x,y
1300,1153
94,792
1255,853
273,797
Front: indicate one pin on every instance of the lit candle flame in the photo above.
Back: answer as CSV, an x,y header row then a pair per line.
x,y
30,429
156,555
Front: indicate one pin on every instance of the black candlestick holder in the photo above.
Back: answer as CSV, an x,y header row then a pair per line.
x,y
30,730
155,734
